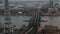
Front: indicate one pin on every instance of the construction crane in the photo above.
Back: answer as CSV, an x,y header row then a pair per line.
x,y
8,24
34,22
36,19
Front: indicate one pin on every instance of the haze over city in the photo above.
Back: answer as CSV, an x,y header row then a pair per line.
x,y
28,0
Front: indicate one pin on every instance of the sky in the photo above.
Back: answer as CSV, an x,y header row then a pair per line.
x,y
28,0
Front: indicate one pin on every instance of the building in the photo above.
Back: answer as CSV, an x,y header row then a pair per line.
x,y
1,1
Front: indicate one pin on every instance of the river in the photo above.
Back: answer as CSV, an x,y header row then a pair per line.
x,y
18,20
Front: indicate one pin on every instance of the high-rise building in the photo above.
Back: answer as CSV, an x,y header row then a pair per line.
x,y
56,1
53,2
1,1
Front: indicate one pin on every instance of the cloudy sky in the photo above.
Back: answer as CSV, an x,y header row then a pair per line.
x,y
28,0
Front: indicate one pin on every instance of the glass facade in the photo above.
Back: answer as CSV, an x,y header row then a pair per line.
x,y
1,1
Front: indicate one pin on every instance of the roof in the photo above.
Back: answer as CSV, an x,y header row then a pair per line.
x,y
9,5
20,6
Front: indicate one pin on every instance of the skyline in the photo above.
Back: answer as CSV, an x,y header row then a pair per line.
x,y
27,0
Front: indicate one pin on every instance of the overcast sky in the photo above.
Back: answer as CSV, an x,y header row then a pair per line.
x,y
28,0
